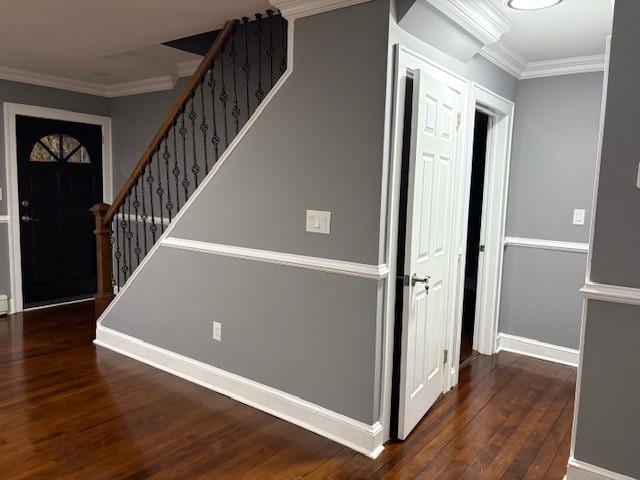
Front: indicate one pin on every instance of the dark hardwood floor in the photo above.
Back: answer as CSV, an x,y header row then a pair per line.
x,y
69,409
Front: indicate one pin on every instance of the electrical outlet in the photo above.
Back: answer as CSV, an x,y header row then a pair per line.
x,y
578,216
217,331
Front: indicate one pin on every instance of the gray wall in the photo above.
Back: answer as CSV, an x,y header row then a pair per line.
x,y
45,97
318,145
608,419
553,162
135,120
540,298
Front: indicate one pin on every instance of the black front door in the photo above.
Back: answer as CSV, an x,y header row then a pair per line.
x,y
59,179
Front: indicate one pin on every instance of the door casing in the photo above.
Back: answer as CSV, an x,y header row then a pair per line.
x,y
472,95
11,110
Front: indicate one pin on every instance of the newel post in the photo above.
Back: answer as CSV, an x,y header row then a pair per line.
x,y
103,255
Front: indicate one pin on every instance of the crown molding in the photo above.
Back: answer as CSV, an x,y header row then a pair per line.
x,y
512,63
564,66
292,9
147,85
505,58
480,18
51,81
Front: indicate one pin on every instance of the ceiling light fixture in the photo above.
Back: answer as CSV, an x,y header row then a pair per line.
x,y
532,4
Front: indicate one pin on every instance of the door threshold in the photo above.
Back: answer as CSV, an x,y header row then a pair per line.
x,y
59,304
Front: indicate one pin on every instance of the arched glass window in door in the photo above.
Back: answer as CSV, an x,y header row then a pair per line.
x,y
59,148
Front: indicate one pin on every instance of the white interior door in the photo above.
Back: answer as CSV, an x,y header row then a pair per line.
x,y
428,245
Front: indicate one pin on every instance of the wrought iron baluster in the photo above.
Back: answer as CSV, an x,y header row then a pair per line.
x,y
117,253
136,207
224,97
270,49
159,190
235,111
247,64
283,47
195,169
153,227
129,232
123,227
144,215
258,31
167,156
212,84
185,179
204,127
176,168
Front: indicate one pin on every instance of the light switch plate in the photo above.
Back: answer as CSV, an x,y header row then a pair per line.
x,y
319,221
578,216
217,331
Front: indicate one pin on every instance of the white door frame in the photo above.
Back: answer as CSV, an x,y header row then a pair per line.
x,y
500,111
11,110
407,61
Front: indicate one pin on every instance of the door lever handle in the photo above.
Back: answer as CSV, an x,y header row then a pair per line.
x,y
415,279
27,219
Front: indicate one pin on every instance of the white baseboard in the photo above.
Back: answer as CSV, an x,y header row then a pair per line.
x,y
363,438
577,470
536,349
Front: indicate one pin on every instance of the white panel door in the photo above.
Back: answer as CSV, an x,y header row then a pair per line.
x,y
428,244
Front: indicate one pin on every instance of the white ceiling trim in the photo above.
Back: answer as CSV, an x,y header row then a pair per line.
x,y
292,9
505,58
154,84
512,63
481,19
564,66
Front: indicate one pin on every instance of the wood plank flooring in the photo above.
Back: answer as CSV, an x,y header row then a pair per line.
x,y
71,410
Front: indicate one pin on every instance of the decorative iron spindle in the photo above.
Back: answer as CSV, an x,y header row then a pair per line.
x,y
259,90
283,47
123,228
203,128
176,168
195,169
117,253
247,64
152,227
270,49
185,179
129,232
223,98
216,138
167,156
136,207
159,189
144,215
235,111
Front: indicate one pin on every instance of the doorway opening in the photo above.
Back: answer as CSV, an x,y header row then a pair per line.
x,y
58,166
475,248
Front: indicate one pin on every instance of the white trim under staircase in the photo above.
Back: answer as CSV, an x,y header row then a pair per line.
x,y
363,438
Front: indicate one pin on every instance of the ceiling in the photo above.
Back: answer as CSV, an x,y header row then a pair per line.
x,y
100,48
106,43
574,29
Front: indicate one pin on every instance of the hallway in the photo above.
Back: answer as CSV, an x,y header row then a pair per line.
x,y
69,409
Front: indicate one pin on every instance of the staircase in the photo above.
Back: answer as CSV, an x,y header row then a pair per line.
x,y
245,61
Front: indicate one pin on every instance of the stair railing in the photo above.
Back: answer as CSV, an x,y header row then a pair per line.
x,y
239,69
